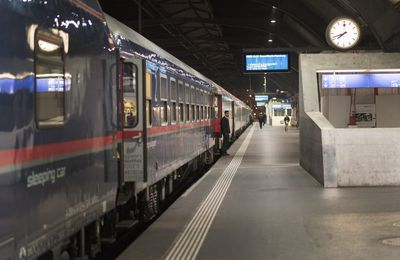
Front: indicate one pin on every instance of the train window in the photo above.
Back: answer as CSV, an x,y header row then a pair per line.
x,y
173,89
193,113
163,87
187,94
148,85
201,113
130,98
181,91
193,96
50,80
187,112
164,112
197,112
173,112
181,118
148,113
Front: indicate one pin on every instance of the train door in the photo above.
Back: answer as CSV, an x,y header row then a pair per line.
x,y
216,115
233,115
132,159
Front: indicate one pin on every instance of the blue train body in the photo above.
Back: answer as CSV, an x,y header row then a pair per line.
x,y
50,174
97,127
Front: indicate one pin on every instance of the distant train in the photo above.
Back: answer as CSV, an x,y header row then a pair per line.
x,y
99,126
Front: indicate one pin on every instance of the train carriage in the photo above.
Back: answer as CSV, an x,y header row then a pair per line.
x,y
59,123
99,126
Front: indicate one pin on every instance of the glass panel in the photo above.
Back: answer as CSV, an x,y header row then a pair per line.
x,y
187,112
173,112
164,88
148,85
193,113
181,91
164,112
187,94
49,80
194,98
130,97
173,89
181,113
148,113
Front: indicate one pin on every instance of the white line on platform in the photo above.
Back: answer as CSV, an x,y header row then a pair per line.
x,y
190,240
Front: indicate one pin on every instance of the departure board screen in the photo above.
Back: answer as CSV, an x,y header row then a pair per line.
x,y
360,80
266,62
261,97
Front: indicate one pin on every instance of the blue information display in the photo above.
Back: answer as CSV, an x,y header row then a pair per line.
x,y
261,97
364,80
266,62
49,84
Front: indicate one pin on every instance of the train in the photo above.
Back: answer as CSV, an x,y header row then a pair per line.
x,y
99,127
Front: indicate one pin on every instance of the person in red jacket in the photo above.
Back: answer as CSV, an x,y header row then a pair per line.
x,y
226,130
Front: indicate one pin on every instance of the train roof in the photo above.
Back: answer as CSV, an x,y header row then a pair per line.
x,y
121,29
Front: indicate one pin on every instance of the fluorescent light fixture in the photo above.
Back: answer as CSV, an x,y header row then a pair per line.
x,y
273,21
270,40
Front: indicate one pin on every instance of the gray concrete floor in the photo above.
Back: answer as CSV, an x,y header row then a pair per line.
x,y
273,209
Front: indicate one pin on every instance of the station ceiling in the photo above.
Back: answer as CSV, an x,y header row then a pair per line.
x,y
211,35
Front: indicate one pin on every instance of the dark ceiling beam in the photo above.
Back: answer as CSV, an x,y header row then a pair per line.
x,y
383,20
222,22
311,33
177,33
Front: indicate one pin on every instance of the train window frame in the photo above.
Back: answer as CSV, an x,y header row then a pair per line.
x,y
188,92
181,113
164,90
181,91
173,89
164,113
50,44
149,98
173,111
193,114
135,69
193,94
187,113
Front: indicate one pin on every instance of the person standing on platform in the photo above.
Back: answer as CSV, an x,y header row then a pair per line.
x,y
226,130
260,120
264,119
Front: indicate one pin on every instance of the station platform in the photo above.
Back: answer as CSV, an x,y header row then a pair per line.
x,y
258,203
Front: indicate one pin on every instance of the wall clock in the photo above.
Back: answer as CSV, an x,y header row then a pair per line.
x,y
343,33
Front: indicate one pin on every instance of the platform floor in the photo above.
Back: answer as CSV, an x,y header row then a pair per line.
x,y
258,203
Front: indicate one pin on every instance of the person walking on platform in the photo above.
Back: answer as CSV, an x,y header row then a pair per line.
x,y
264,119
226,130
261,120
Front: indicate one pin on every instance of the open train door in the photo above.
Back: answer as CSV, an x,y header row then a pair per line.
x,y
132,121
216,119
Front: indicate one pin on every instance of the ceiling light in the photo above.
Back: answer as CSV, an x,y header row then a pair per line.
x,y
273,21
269,40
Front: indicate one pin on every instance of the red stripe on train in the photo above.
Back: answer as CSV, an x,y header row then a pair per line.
x,y
170,128
23,155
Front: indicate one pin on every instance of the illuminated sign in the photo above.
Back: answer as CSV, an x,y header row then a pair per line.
x,y
49,84
261,104
364,80
266,62
261,97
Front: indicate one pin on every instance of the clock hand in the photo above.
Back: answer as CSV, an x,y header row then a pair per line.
x,y
339,35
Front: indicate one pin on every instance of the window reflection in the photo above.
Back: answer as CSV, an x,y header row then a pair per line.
x,y
130,101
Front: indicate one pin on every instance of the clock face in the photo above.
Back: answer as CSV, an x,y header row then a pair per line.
x,y
343,33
